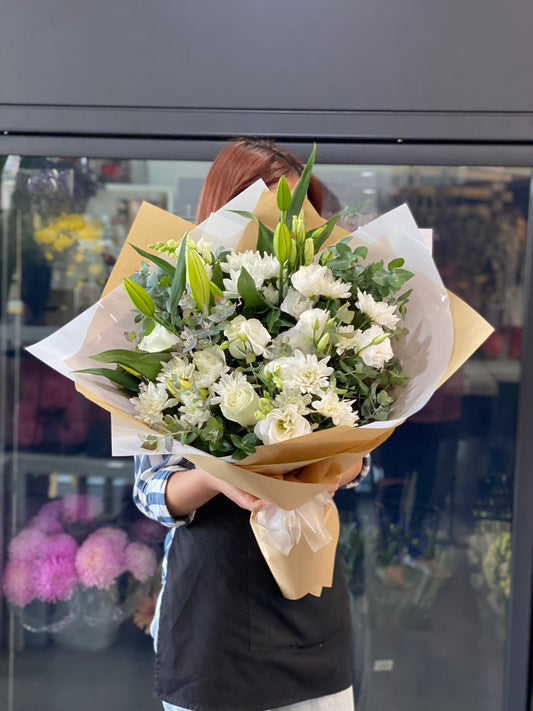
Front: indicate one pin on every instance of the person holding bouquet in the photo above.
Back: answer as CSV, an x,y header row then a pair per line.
x,y
225,637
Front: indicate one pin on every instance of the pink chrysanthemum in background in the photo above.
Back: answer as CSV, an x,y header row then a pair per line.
x,y
148,530
81,508
140,561
55,574
118,538
51,509
28,545
45,524
18,585
99,561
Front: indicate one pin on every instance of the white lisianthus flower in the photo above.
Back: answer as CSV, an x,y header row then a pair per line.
x,y
151,401
375,355
345,339
237,399
281,424
317,280
158,340
305,373
380,312
195,410
254,334
307,280
271,294
177,368
340,411
210,364
309,328
295,303
293,397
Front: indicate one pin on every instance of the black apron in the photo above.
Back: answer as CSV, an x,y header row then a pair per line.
x,y
228,640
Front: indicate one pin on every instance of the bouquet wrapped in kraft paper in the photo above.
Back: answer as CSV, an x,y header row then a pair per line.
x,y
337,371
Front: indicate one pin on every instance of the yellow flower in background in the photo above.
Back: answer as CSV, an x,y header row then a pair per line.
x,y
68,229
95,269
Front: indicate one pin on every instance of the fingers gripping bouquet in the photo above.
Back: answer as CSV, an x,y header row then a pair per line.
x,y
272,350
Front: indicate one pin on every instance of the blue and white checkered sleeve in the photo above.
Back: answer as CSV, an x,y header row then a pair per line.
x,y
365,470
151,474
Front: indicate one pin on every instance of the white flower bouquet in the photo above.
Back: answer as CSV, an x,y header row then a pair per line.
x,y
272,350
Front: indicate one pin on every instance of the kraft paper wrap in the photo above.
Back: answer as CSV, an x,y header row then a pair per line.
x,y
287,474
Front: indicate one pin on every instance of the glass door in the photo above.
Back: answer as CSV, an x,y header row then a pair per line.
x,y
426,539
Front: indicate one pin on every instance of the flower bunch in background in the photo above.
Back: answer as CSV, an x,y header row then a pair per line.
x,y
65,549
66,231
235,350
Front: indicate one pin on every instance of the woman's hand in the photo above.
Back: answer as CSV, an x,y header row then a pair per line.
x,y
189,489
238,496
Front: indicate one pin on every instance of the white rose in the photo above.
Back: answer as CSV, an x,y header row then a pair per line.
x,y
255,337
281,424
158,340
237,399
375,355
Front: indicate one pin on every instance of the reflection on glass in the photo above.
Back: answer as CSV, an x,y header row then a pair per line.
x,y
426,539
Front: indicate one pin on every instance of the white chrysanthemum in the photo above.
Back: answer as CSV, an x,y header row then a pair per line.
x,y
151,401
267,265
281,424
293,397
373,354
177,368
305,373
231,290
380,312
210,363
237,398
340,411
295,303
195,410
333,288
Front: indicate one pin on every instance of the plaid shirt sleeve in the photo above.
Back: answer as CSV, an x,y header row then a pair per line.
x,y
151,474
365,469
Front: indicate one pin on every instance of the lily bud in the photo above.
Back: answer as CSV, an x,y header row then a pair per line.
x,y
323,342
293,254
283,194
198,279
282,242
299,232
309,251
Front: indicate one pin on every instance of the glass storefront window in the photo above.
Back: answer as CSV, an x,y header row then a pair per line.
x,y
426,538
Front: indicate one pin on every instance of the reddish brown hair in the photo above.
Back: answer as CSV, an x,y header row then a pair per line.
x,y
244,161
